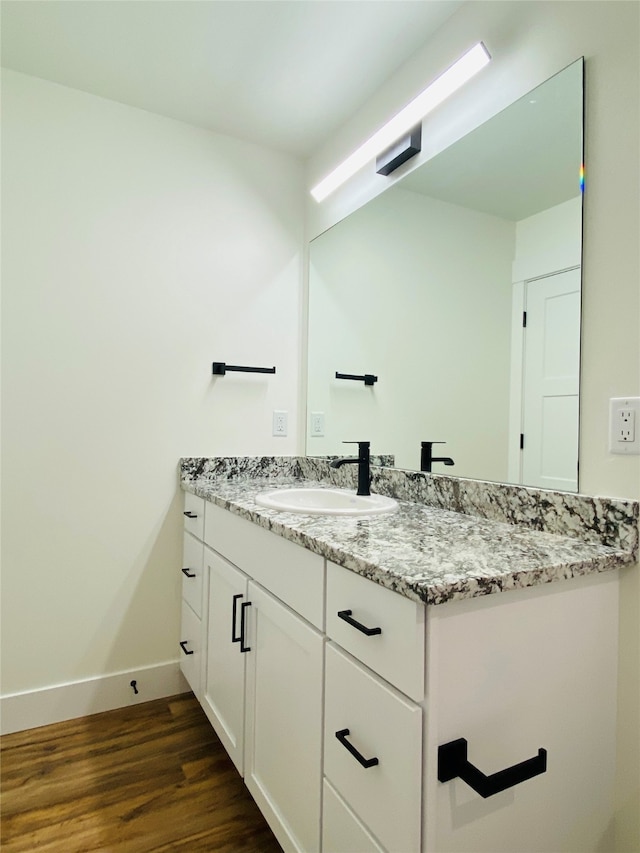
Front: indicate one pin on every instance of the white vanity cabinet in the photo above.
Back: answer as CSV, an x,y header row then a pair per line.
x,y
192,575
263,675
339,699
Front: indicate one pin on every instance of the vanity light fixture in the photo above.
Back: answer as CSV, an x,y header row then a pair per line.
x,y
436,92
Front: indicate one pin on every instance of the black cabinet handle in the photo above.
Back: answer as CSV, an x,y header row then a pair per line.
x,y
243,608
235,638
366,762
187,573
183,645
190,514
346,615
452,762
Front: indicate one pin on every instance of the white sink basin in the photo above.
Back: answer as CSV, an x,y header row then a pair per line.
x,y
325,502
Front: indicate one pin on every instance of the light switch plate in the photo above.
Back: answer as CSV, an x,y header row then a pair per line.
x,y
624,425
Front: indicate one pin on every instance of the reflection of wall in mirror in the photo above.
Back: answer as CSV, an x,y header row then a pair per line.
x,y
419,292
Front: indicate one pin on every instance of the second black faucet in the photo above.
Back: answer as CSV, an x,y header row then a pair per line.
x,y
427,458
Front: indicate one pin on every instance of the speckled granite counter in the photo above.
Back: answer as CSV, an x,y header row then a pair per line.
x,y
425,550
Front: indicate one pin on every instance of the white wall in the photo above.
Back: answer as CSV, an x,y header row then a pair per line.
x,y
530,41
394,289
136,250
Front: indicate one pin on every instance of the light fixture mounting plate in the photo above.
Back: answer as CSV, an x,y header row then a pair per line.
x,y
402,150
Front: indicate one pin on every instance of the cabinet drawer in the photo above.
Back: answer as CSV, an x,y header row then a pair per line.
x,y
381,724
194,515
397,652
342,832
190,647
289,571
192,570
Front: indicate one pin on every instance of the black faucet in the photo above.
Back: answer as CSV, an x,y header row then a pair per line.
x,y
426,459
363,462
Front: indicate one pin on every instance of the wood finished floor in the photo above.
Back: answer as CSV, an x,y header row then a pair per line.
x,y
153,777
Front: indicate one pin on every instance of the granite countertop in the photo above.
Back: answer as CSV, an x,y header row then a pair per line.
x,y
423,552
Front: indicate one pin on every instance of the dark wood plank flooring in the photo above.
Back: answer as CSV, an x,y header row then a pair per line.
x,y
152,777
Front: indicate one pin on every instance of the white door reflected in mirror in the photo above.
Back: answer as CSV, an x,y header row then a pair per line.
x,y
550,382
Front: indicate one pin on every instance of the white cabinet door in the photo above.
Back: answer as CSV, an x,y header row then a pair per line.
x,y
224,684
283,750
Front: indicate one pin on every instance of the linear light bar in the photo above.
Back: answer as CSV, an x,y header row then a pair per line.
x,y
443,86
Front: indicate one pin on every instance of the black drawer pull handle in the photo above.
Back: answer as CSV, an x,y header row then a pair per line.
x,y
452,762
183,644
235,638
243,608
187,573
346,615
366,762
190,514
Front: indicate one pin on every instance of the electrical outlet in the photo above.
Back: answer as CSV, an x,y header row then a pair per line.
x,y
280,423
624,420
626,427
317,423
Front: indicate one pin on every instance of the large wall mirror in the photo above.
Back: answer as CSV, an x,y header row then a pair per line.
x,y
458,288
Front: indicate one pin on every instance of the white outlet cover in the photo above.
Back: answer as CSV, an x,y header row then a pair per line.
x,y
316,427
616,444
280,423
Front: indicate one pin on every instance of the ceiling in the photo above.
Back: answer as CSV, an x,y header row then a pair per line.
x,y
281,73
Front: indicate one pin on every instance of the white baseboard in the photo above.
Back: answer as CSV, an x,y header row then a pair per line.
x,y
47,705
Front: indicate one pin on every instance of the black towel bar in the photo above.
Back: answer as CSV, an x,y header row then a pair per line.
x,y
367,378
219,368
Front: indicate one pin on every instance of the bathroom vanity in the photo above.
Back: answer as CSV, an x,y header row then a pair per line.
x,y
356,668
